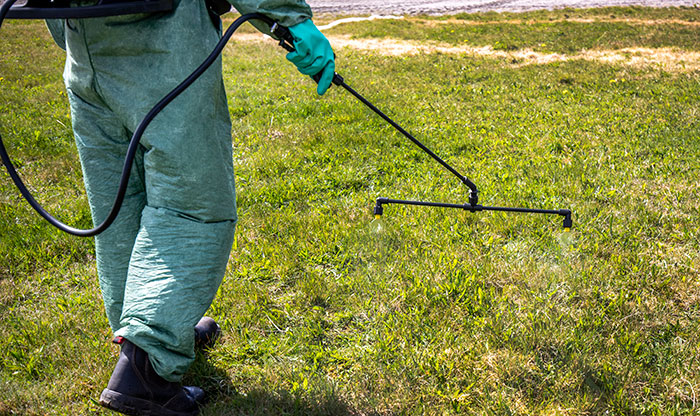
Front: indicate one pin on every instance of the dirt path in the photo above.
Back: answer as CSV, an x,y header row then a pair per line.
x,y
455,6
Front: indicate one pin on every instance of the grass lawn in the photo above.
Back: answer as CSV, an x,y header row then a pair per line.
x,y
442,311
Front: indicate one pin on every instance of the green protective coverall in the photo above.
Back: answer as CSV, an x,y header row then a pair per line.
x,y
161,262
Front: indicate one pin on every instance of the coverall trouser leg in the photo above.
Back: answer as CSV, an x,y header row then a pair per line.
x,y
162,261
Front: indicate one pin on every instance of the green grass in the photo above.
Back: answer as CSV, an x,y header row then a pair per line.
x,y
445,312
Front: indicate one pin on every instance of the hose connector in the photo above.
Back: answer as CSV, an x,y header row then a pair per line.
x,y
473,197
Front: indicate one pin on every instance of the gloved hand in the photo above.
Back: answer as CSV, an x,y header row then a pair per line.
x,y
313,54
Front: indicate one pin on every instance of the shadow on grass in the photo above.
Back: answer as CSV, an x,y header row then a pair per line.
x,y
225,399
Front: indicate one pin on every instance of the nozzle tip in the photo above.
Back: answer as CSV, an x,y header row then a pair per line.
x,y
377,216
567,229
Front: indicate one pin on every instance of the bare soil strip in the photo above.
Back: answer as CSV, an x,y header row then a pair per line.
x,y
357,19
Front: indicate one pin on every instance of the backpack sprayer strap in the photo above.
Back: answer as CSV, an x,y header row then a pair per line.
x,y
63,9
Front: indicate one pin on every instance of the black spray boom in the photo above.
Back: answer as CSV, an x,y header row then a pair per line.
x,y
379,209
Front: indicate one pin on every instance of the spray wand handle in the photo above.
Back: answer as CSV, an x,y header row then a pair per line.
x,y
286,41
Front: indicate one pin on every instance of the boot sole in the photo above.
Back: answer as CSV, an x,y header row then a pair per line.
x,y
133,406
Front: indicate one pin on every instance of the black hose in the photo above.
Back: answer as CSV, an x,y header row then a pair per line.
x,y
135,138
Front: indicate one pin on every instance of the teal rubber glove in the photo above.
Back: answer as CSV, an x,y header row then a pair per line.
x,y
313,54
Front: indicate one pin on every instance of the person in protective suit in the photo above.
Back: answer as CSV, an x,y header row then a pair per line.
x,y
161,262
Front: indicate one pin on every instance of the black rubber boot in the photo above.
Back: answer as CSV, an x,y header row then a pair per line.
x,y
136,389
206,332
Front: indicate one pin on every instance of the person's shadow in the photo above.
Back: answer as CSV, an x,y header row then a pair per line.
x,y
224,399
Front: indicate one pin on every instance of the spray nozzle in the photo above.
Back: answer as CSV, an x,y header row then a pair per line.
x,y
567,219
378,209
377,225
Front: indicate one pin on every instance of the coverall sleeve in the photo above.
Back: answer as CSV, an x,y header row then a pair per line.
x,y
285,12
